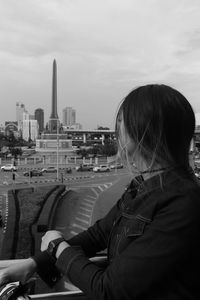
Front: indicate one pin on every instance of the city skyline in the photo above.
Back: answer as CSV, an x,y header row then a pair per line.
x,y
103,50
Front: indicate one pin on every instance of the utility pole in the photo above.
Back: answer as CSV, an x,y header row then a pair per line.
x,y
57,149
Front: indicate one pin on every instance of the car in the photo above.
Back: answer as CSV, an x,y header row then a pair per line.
x,y
8,167
1,221
101,168
68,170
117,166
85,167
49,170
33,173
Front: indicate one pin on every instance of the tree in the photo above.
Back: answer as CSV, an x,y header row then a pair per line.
x,y
82,152
109,148
16,152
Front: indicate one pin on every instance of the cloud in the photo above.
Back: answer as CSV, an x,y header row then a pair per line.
x,y
103,49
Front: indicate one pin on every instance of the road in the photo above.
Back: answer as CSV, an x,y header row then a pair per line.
x,y
97,192
95,196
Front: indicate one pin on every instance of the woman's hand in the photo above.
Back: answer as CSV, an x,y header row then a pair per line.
x,y
49,236
20,271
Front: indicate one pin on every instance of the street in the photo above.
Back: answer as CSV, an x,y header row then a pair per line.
x,y
97,193
95,196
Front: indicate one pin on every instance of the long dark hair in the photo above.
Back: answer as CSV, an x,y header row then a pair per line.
x,y
160,121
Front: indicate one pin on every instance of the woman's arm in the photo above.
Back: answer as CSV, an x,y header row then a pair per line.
x,y
90,242
95,239
150,264
21,271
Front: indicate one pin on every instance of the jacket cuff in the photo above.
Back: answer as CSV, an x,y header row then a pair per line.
x,y
46,268
66,259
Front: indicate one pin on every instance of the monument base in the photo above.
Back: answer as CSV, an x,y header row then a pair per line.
x,y
51,144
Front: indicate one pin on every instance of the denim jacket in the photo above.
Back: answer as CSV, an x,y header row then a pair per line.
x,y
152,240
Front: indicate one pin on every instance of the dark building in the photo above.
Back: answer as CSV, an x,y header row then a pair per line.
x,y
39,116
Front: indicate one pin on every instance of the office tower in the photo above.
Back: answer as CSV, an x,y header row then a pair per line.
x,y
30,130
29,127
25,116
39,116
69,116
54,121
20,109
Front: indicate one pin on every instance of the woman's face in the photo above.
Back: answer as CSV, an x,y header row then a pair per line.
x,y
125,145
127,148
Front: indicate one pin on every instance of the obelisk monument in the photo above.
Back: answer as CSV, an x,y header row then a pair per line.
x,y
54,120
53,145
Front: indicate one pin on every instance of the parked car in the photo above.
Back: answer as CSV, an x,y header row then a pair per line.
x,y
117,166
85,167
68,170
33,173
8,167
1,221
101,168
49,170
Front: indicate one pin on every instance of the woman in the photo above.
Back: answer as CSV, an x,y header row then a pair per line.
x,y
152,233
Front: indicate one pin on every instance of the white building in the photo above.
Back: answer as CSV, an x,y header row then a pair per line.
x,y
25,130
20,110
25,116
69,116
197,118
29,127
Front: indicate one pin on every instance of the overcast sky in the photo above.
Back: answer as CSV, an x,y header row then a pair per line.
x,y
103,49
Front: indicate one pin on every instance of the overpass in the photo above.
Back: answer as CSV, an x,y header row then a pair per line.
x,y
95,135
99,136
81,136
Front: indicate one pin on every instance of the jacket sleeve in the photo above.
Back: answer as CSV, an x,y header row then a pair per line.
x,y
148,263
95,238
88,242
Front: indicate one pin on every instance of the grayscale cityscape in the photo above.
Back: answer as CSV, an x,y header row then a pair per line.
x,y
67,68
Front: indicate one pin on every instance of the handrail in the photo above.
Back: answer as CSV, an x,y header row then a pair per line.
x,y
7,262
70,295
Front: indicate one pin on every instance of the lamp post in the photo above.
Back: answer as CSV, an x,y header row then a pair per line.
x,y
57,149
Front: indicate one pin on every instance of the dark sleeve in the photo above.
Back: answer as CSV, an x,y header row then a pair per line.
x,y
88,242
95,238
147,264
46,268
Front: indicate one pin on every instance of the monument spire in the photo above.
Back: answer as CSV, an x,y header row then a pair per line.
x,y
53,121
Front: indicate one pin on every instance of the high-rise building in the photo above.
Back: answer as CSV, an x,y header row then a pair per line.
x,y
30,130
20,109
29,127
69,116
39,116
25,116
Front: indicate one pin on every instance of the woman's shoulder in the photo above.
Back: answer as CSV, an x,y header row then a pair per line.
x,y
182,195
